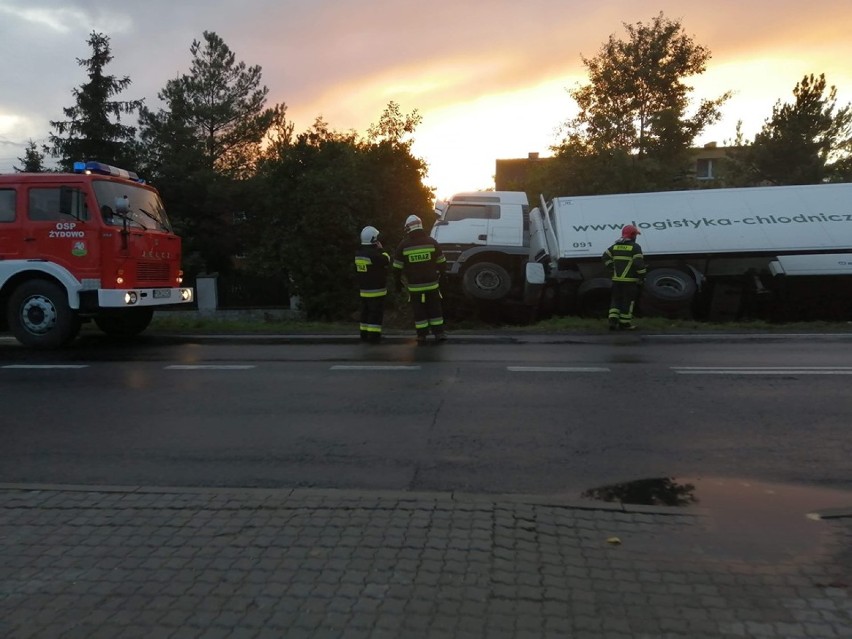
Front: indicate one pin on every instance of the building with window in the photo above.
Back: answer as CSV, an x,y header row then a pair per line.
x,y
512,174
707,161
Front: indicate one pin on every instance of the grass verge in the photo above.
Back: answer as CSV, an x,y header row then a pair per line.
x,y
263,324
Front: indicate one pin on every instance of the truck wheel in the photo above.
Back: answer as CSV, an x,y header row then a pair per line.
x,y
126,322
669,285
487,281
40,317
594,296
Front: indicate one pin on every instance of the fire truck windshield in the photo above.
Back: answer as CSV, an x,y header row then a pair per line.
x,y
144,207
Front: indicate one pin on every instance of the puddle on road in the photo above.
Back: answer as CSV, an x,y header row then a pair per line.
x,y
660,491
746,519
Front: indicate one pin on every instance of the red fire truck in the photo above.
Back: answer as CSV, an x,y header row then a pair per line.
x,y
94,244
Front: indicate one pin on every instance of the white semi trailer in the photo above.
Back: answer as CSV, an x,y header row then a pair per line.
x,y
774,252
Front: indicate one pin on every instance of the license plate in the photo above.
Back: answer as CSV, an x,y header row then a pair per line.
x,y
161,293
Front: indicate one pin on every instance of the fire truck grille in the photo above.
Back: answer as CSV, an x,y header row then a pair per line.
x,y
153,271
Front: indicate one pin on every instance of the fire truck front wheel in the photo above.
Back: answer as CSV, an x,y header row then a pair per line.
x,y
125,322
40,317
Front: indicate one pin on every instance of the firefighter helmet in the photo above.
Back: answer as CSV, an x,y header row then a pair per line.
x,y
369,235
630,232
412,222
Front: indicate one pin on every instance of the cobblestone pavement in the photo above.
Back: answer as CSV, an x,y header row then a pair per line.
x,y
134,562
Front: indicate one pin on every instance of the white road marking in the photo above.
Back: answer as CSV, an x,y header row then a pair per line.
x,y
762,370
42,366
209,367
557,369
343,367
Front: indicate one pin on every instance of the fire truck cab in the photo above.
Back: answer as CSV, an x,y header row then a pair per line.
x,y
95,244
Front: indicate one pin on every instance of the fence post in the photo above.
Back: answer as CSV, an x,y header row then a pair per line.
x,y
208,294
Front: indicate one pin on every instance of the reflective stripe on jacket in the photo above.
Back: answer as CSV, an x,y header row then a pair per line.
x,y
419,258
624,261
371,270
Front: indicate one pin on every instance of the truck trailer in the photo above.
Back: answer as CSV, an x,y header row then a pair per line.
x,y
782,253
94,244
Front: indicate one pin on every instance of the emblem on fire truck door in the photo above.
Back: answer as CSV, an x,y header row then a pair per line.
x,y
79,249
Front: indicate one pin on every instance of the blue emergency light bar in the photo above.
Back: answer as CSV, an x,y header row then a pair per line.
x,y
100,168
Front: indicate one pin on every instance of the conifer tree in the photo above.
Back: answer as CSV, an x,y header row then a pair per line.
x,y
33,160
92,128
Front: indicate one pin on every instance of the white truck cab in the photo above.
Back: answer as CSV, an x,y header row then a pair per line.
x,y
482,218
485,236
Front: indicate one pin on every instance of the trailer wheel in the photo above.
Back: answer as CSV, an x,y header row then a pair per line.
x,y
40,317
486,281
126,322
669,285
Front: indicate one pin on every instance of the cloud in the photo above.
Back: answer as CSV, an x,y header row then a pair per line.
x,y
465,66
64,17
60,20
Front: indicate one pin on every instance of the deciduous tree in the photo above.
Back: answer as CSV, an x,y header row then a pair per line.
x,y
319,191
634,130
394,125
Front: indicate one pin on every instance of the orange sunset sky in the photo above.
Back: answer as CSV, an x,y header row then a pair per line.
x,y
489,78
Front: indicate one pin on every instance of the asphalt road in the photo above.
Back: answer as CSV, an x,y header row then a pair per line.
x,y
543,415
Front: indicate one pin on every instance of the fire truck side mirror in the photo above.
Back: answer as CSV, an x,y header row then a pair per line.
x,y
122,205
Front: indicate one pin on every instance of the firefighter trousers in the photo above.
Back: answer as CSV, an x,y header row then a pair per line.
x,y
622,301
428,312
372,316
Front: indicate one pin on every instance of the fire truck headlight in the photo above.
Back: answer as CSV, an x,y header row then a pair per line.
x,y
119,280
130,297
186,294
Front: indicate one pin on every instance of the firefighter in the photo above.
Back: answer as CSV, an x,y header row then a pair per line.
x,y
419,260
371,272
626,265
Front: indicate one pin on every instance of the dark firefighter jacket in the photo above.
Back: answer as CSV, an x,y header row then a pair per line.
x,y
624,261
419,258
371,270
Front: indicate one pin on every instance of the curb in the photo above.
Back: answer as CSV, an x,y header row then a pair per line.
x,y
457,497
509,338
